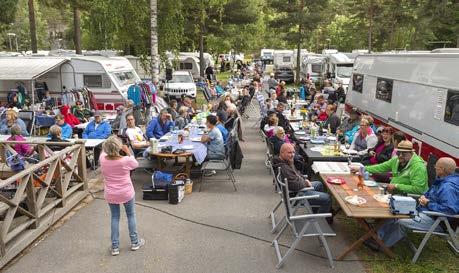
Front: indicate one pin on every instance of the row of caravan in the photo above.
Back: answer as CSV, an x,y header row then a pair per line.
x,y
108,76
330,64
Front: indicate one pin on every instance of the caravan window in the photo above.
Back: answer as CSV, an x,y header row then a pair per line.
x,y
286,59
344,70
186,66
452,107
92,80
316,68
125,78
357,83
384,89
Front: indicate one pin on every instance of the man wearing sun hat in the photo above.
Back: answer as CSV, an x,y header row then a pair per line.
x,y
409,172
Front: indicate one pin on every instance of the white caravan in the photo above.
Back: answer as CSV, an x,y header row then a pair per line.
x,y
337,66
311,67
283,58
107,77
415,93
208,60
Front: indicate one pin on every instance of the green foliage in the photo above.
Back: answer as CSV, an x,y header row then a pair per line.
x,y
241,25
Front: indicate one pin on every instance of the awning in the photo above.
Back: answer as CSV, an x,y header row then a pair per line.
x,y
18,68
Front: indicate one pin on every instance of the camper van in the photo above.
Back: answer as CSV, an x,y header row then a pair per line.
x,y
311,67
107,77
337,66
267,55
414,93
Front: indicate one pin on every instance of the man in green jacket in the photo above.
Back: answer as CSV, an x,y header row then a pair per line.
x,y
409,172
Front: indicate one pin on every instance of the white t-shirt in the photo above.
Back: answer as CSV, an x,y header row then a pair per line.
x,y
135,135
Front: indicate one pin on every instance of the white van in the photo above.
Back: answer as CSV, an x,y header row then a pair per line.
x,y
415,93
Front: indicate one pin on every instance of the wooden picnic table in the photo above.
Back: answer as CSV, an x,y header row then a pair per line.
x,y
371,210
163,156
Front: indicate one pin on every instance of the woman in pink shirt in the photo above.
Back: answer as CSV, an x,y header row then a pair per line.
x,y
118,188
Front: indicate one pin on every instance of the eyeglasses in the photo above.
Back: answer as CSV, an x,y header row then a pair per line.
x,y
399,153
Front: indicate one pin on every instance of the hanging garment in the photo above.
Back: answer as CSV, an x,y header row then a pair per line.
x,y
134,94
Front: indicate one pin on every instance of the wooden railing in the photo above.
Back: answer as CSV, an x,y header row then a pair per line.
x,y
35,198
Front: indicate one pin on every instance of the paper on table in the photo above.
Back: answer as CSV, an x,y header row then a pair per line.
x,y
330,167
317,149
349,151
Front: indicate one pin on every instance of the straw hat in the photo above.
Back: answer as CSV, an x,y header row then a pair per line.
x,y
405,146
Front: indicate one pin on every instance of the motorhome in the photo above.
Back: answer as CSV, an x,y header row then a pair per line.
x,y
267,55
311,67
107,77
337,67
417,94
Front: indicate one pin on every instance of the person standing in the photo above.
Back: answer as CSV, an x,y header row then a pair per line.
x,y
118,189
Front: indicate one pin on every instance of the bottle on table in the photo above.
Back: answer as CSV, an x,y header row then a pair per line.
x,y
361,179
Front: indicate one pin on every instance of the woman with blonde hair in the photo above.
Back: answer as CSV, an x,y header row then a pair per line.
x,y
115,170
11,118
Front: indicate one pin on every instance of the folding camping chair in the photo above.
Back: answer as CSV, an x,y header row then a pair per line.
x,y
303,225
221,165
263,113
276,178
448,233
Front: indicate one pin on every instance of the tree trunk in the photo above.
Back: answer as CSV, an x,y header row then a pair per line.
x,y
298,59
76,29
33,27
201,44
298,46
154,41
370,27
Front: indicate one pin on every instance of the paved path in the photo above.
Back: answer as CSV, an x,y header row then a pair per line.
x,y
176,245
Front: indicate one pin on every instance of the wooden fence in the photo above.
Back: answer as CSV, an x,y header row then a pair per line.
x,y
34,199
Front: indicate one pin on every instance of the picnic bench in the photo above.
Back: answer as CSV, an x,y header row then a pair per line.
x,y
370,215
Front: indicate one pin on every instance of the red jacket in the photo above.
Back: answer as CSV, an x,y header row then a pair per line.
x,y
69,118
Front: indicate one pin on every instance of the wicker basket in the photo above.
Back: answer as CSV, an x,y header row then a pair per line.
x,y
188,186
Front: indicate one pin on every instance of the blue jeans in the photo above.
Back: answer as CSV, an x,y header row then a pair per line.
x,y
324,201
394,230
115,225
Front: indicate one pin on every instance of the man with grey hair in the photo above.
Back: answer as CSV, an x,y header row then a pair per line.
x,y
442,196
160,125
231,112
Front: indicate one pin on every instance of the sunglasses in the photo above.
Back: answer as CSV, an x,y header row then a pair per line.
x,y
399,153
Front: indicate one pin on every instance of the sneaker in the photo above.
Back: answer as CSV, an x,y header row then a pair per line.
x,y
210,173
139,244
114,251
